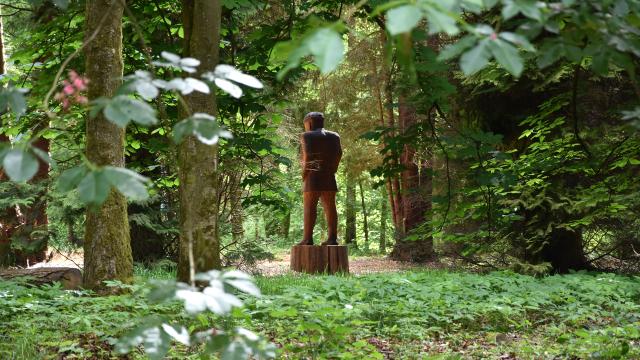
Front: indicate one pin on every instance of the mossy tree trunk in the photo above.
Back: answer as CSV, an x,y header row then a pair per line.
x,y
107,248
197,161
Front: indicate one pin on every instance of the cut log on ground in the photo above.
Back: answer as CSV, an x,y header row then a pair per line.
x,y
70,278
320,259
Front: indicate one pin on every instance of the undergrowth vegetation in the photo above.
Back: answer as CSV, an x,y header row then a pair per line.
x,y
408,315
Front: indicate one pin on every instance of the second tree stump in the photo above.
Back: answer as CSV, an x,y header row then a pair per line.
x,y
312,259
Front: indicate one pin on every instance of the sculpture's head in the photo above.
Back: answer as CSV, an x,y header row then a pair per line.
x,y
313,121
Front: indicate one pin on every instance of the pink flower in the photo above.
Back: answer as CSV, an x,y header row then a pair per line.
x,y
71,89
493,36
68,89
81,99
80,84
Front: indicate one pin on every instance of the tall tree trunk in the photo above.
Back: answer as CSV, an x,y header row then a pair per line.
x,y
393,184
382,97
5,221
383,222
286,225
236,215
197,161
364,214
2,63
565,251
416,194
107,248
350,211
256,229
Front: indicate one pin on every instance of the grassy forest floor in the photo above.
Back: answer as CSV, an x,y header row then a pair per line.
x,y
408,314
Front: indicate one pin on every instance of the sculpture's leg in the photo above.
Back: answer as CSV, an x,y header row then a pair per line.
x,y
310,201
328,199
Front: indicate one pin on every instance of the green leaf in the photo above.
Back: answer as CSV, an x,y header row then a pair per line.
x,y
97,106
529,8
20,165
455,49
44,156
156,343
246,286
14,99
600,63
236,350
122,109
403,19
475,59
178,333
518,40
203,126
94,188
475,6
70,178
439,21
490,3
129,183
507,56
550,52
327,49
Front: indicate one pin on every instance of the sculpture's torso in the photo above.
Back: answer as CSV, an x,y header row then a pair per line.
x,y
322,151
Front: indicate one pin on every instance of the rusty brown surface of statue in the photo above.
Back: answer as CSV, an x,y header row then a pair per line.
x,y
321,153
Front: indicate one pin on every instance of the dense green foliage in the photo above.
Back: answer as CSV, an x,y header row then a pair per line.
x,y
423,314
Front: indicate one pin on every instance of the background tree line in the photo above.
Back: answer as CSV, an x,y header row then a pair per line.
x,y
500,132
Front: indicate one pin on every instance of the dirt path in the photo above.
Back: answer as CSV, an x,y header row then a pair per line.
x,y
357,265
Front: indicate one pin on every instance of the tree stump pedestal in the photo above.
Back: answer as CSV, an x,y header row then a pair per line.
x,y
312,259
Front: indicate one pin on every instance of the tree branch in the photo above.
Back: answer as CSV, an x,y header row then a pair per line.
x,y
19,8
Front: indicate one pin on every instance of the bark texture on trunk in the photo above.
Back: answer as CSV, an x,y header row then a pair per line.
x,y
393,184
198,162
5,221
565,251
415,194
2,63
107,248
236,215
365,222
382,244
350,211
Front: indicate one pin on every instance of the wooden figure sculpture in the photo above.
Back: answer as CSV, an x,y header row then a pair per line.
x,y
321,153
